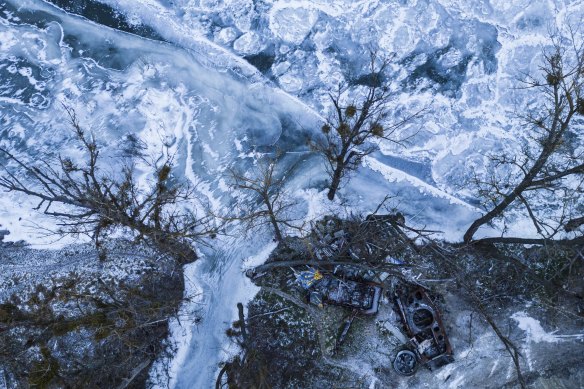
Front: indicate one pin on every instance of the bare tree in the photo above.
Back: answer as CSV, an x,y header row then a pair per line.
x,y
86,200
349,134
550,167
271,204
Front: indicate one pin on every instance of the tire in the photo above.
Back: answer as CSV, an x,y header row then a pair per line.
x,y
405,363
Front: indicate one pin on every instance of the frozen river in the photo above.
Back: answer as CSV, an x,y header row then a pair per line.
x,y
217,82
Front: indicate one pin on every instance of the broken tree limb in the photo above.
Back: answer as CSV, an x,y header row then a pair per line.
x,y
268,313
387,267
137,370
508,240
242,323
288,297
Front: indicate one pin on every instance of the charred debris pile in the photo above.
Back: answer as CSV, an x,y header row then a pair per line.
x,y
347,288
368,294
358,264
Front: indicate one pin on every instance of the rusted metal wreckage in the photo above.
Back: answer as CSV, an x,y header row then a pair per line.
x,y
424,336
426,341
361,296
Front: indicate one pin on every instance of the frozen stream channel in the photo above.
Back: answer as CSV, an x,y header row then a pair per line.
x,y
219,279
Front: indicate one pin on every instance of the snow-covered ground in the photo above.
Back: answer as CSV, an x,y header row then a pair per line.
x,y
192,93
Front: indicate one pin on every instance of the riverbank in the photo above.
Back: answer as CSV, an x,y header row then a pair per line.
x,y
68,319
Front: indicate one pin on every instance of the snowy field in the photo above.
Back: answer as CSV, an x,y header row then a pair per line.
x,y
217,82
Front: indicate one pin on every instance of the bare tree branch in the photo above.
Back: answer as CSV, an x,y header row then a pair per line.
x,y
352,129
548,163
271,204
94,203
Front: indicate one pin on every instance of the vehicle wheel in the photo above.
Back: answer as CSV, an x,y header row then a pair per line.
x,y
405,363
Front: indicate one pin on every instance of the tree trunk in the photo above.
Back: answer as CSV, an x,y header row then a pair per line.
x,y
336,181
273,219
573,224
242,323
486,218
277,231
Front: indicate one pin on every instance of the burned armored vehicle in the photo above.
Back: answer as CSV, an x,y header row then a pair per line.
x,y
429,344
328,289
348,293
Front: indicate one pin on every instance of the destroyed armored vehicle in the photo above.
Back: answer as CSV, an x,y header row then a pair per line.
x,y
361,296
423,325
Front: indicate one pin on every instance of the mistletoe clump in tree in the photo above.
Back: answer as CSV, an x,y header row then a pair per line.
x,y
87,200
355,125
